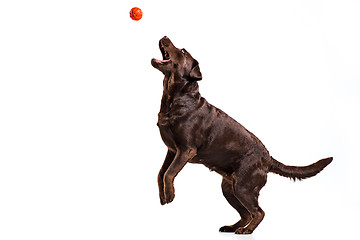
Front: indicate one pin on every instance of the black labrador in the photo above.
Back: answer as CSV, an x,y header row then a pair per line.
x,y
197,132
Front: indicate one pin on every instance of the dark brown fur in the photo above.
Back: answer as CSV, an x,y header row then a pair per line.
x,y
197,132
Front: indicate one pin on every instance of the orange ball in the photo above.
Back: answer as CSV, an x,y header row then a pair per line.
x,y
136,13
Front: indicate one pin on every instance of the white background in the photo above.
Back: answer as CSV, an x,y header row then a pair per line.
x,y
79,147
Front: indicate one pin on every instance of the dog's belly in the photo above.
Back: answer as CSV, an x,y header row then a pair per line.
x,y
226,162
224,170
220,162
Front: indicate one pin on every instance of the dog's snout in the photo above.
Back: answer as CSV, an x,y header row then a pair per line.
x,y
165,41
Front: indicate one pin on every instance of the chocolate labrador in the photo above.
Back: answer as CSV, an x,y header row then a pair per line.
x,y
197,132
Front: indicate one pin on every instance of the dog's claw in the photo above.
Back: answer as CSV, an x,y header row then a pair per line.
x,y
169,199
169,194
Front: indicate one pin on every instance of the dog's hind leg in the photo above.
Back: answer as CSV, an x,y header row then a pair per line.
x,y
228,192
247,186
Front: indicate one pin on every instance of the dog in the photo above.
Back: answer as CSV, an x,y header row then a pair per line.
x,y
195,131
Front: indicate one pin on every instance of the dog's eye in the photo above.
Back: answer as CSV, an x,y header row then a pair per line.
x,y
183,50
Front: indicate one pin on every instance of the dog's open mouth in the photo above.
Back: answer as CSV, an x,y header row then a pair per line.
x,y
164,53
166,56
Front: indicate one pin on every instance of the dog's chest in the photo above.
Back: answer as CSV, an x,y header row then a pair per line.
x,y
166,133
170,124
173,117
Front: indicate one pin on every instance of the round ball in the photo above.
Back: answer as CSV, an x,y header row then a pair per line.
x,y
136,13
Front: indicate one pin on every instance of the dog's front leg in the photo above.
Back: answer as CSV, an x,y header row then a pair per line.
x,y
168,160
181,158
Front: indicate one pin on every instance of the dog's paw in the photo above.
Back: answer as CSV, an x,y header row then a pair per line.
x,y
227,229
161,193
242,230
169,197
162,198
169,194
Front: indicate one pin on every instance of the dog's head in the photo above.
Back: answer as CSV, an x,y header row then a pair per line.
x,y
176,61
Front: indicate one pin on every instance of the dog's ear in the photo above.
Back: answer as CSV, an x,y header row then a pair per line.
x,y
195,73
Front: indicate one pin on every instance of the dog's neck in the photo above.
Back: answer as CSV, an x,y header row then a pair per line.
x,y
177,88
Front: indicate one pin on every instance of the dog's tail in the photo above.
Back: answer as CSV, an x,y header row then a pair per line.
x,y
299,172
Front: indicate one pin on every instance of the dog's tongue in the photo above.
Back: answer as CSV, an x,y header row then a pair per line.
x,y
160,61
156,63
